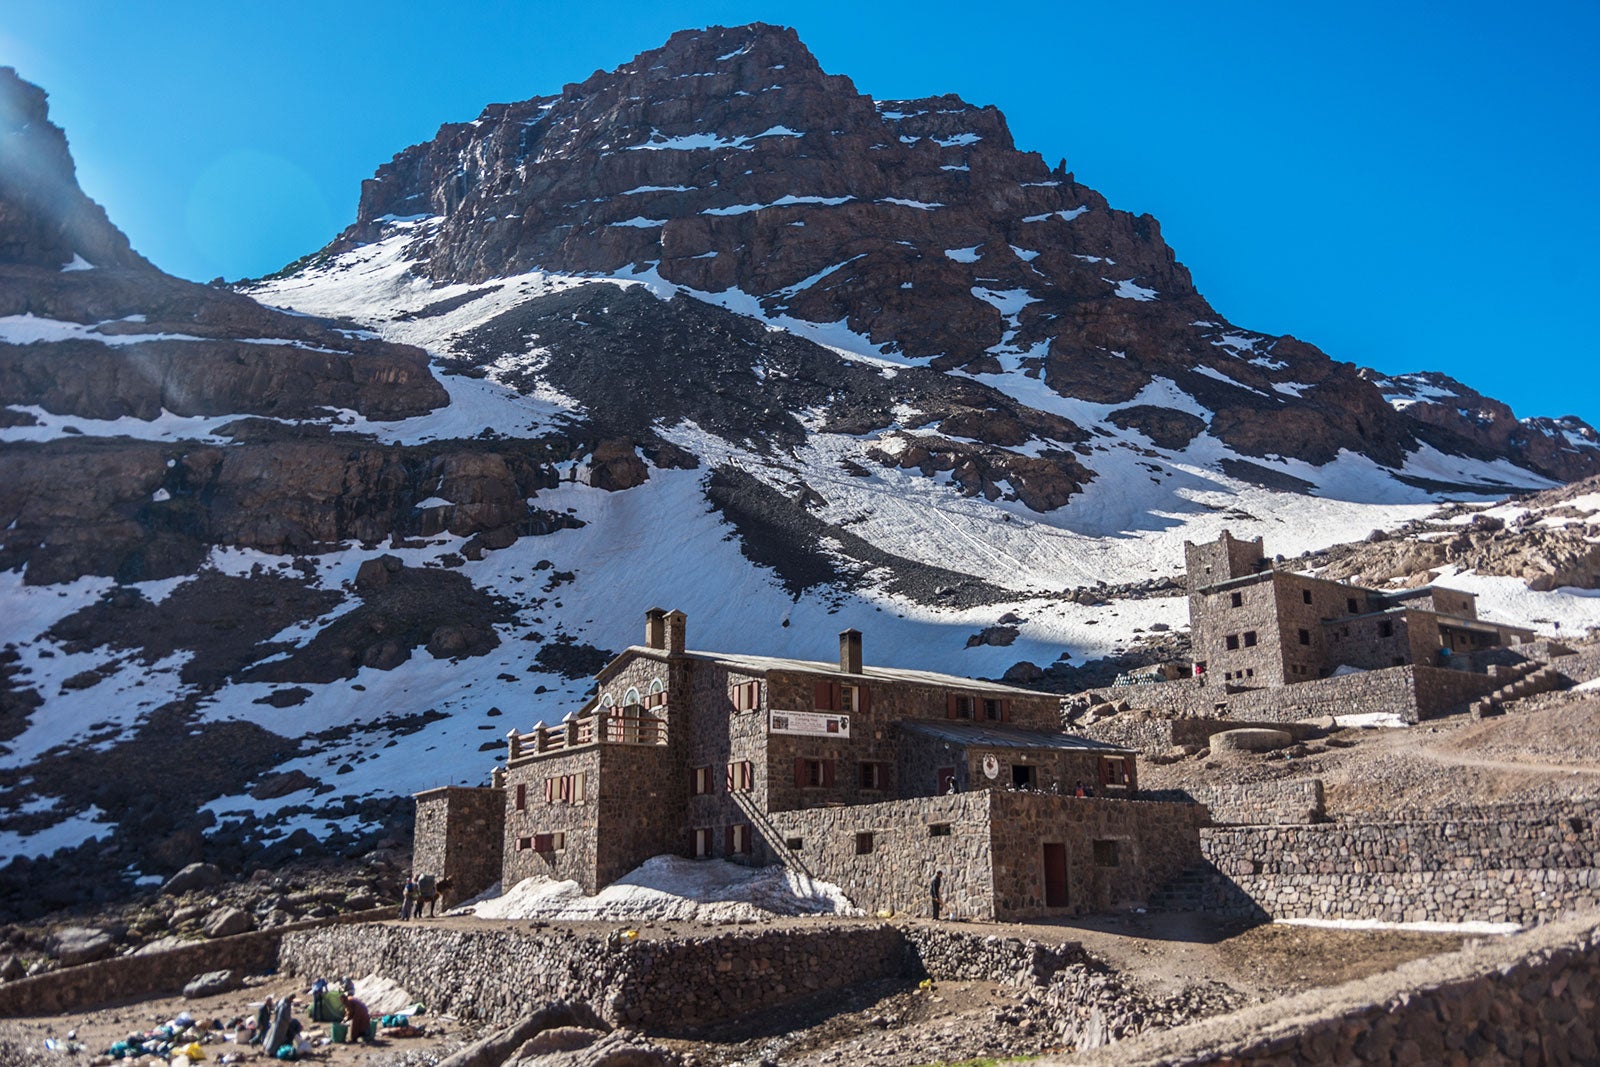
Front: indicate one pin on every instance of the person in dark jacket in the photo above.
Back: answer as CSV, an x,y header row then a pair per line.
x,y
360,1020
936,893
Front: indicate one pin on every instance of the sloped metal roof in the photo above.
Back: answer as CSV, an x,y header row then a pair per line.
x,y
990,735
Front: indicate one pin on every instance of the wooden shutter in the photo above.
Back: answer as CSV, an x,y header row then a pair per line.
x,y
694,781
1105,772
748,771
1005,710
950,710
727,845
522,796
863,699
821,696
728,778
799,771
827,772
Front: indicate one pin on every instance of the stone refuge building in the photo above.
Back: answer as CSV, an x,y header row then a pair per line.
x,y
873,778
1253,625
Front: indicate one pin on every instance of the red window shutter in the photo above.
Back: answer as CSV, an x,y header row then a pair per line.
x,y
799,771
1105,771
1005,710
748,772
863,699
827,772
728,778
822,696
835,697
950,711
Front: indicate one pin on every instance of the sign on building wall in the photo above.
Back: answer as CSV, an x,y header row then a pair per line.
x,y
812,723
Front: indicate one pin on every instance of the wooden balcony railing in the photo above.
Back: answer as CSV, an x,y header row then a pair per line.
x,y
611,727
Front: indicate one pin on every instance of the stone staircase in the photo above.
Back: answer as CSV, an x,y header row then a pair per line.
x,y
1526,680
1186,891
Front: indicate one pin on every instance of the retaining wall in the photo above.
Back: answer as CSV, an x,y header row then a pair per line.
x,y
1519,867
1289,802
157,973
1528,999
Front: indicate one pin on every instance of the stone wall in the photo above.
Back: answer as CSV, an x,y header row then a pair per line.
x,y
910,841
156,973
498,973
1515,865
460,835
1156,736
1288,802
1516,1000
528,816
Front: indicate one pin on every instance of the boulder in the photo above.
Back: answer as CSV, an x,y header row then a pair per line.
x,y
211,983
1023,671
11,969
81,944
194,876
225,922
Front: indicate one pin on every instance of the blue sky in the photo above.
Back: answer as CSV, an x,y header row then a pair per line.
x,y
1407,185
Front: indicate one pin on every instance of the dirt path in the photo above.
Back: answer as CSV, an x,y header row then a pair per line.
x,y
1514,766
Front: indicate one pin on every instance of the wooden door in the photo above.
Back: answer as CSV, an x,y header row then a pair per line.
x,y
1055,876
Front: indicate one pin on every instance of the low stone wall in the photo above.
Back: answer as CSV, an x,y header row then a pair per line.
x,y
1518,870
1289,802
1156,737
498,973
157,973
949,955
1523,999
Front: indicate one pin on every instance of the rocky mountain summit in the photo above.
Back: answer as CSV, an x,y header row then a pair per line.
x,y
710,331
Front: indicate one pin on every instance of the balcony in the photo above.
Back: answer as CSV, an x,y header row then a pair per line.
x,y
612,726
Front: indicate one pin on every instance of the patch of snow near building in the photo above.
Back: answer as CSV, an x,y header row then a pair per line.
x,y
1421,927
1590,685
1370,720
671,888
1505,599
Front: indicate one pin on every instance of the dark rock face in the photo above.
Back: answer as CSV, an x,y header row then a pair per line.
x,y
727,159
122,338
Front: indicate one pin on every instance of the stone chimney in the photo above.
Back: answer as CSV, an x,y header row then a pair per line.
x,y
850,651
655,628
677,624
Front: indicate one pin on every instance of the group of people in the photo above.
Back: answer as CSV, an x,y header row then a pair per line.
x,y
277,1029
424,892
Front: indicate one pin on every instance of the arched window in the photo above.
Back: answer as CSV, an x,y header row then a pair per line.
x,y
608,701
631,697
657,686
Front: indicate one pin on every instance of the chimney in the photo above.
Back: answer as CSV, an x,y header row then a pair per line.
x,y
655,628
676,625
850,651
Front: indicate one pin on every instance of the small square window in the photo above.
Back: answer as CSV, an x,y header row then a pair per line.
x,y
1305,637
1236,600
1386,629
939,829
1355,608
1231,641
1250,639
793,844
863,844
872,776
1305,596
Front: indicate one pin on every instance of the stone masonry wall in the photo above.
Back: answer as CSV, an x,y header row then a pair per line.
x,y
1155,737
528,815
156,973
499,973
1290,802
911,839
1118,851
460,835
1528,999
1510,869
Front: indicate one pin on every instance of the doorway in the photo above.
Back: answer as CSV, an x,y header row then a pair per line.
x,y
1055,875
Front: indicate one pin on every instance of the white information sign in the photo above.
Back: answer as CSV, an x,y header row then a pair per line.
x,y
812,723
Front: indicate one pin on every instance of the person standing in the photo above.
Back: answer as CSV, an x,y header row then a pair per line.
x,y
408,898
360,1020
935,893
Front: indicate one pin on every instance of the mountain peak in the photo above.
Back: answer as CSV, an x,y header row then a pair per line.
x,y
45,218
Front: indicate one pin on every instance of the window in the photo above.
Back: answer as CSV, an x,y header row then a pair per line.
x,y
631,697
939,829
741,777
739,839
1305,596
522,796
1305,637
1249,639
813,773
1114,770
874,776
1386,628
1105,854
958,706
549,842
1231,641
996,710
1355,608
863,844
702,782
1249,672
524,843
831,696
1236,600
702,842
746,696
565,788
853,698
794,844
1023,776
